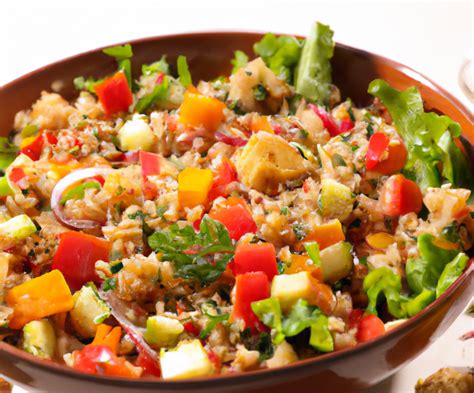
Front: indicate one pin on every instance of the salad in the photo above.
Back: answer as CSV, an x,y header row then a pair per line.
x,y
166,227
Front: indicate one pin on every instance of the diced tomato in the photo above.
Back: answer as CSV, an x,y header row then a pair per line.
x,y
76,256
249,288
370,327
215,360
16,174
354,317
328,121
114,94
150,163
400,196
226,174
149,365
99,359
385,157
255,257
236,217
345,126
52,140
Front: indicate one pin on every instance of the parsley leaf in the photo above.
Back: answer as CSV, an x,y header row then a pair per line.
x,y
160,93
214,317
201,256
156,67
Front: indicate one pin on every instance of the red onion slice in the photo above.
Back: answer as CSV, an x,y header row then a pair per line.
x,y
118,309
230,140
63,184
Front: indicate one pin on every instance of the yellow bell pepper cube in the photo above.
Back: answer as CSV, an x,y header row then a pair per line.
x,y
193,186
380,240
38,298
198,110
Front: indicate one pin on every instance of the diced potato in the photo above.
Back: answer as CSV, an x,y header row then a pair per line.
x,y
336,199
39,338
336,261
289,288
268,161
136,134
188,360
162,331
244,82
284,354
88,312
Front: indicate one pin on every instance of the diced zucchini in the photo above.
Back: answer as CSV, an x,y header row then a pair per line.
x,y
136,134
335,200
18,227
188,360
89,310
289,288
336,261
162,331
39,339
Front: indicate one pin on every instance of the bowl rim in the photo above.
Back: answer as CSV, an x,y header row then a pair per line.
x,y
239,378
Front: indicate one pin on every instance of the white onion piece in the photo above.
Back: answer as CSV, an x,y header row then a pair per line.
x,y
63,184
118,309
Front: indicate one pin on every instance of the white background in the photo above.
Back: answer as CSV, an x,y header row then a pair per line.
x,y
433,37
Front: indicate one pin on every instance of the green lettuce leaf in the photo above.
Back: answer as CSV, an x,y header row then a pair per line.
x,y
269,312
123,54
240,60
160,93
321,338
428,137
451,272
183,71
156,67
313,74
8,152
281,54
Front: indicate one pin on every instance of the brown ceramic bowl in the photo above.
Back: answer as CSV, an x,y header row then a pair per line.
x,y
344,371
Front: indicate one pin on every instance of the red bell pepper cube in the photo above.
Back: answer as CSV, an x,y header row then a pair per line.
x,y
99,359
76,257
16,174
34,149
383,157
150,366
114,94
400,196
369,327
236,217
255,257
249,288
226,174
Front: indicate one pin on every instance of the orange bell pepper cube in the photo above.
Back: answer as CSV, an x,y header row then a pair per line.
x,y
261,123
255,257
38,298
400,196
193,186
236,217
326,234
198,110
299,263
114,94
385,156
106,335
249,288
